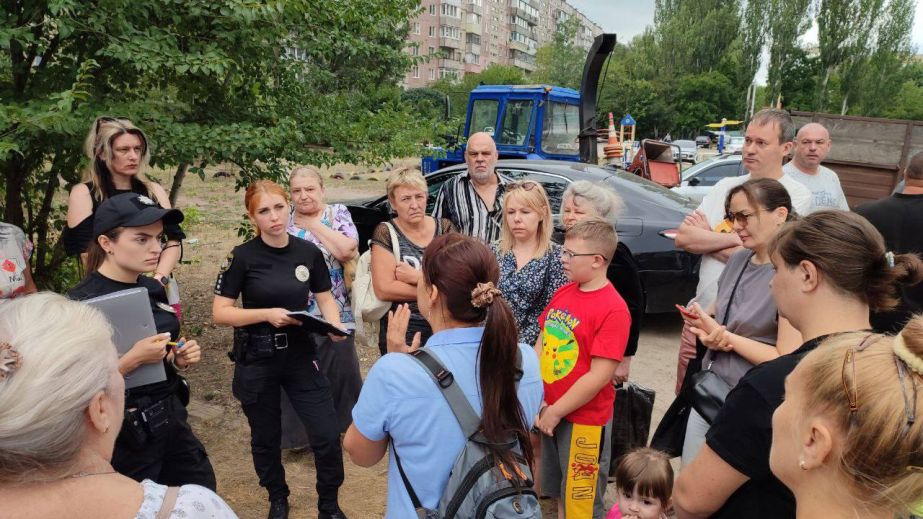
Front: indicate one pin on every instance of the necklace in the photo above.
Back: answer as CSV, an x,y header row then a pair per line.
x,y
85,474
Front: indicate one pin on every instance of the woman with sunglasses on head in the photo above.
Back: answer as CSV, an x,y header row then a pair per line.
x,y
831,268
745,330
847,439
530,266
274,275
155,441
118,152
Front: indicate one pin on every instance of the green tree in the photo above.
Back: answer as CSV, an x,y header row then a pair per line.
x,y
702,99
560,61
908,103
786,21
256,84
694,34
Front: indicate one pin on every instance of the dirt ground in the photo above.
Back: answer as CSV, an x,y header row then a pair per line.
x,y
211,229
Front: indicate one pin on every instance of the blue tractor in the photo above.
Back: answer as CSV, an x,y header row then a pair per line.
x,y
534,121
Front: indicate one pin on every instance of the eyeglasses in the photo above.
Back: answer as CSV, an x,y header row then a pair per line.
x,y
527,185
741,217
569,254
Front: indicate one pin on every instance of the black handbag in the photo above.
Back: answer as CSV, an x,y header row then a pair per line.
x,y
631,420
709,390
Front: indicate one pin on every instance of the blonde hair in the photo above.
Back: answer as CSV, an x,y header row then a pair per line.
x,y
598,231
256,190
881,452
411,177
607,204
65,361
537,200
98,148
306,171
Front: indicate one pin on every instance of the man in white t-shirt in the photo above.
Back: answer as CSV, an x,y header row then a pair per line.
x,y
811,148
706,231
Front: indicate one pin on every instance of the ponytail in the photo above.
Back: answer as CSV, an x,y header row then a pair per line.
x,y
498,352
465,271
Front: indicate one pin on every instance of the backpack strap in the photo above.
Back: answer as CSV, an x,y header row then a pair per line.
x,y
469,421
400,468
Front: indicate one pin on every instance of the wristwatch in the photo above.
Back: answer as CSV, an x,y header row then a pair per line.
x,y
160,278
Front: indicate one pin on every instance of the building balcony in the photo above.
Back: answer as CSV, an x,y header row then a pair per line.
x,y
525,15
451,64
451,21
453,2
473,48
473,27
524,65
517,45
451,43
474,8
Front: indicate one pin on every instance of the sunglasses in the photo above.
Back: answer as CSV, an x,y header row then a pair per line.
x,y
108,119
527,185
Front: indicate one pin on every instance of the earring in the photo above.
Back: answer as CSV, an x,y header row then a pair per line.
x,y
109,252
802,464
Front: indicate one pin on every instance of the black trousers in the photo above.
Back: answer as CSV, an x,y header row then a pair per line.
x,y
174,457
339,362
257,386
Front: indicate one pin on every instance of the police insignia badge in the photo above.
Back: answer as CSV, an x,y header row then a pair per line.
x,y
302,273
145,200
227,262
224,268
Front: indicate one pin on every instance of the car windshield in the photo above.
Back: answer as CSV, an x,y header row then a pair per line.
x,y
560,129
685,144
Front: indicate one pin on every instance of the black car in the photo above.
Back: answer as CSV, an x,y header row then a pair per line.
x,y
647,226
703,141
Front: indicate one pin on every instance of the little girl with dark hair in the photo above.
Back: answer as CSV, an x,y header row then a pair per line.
x,y
644,479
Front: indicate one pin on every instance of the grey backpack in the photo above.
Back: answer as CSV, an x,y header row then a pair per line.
x,y
478,487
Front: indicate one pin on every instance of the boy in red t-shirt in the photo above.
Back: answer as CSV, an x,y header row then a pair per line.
x,y
584,333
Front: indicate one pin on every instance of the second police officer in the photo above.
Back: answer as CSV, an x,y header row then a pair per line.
x,y
273,274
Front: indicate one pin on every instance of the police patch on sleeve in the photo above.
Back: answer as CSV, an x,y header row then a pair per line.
x,y
302,273
224,268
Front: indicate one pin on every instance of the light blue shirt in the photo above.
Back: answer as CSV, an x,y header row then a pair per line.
x,y
399,399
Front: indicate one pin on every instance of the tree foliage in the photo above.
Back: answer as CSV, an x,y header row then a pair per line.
x,y
560,62
256,84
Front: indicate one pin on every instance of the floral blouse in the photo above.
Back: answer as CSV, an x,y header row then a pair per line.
x,y
15,251
336,217
529,290
192,502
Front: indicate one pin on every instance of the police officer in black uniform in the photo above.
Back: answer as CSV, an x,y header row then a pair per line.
x,y
155,441
274,274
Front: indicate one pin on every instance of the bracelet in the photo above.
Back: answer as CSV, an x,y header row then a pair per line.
x,y
177,368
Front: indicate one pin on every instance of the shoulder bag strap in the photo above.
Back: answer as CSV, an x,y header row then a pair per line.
x,y
169,499
395,245
727,309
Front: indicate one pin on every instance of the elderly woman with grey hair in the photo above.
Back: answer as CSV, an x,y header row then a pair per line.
x,y
62,400
585,199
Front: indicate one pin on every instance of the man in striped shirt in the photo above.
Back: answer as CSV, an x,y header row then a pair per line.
x,y
472,200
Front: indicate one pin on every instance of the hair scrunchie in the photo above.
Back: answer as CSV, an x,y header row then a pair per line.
x,y
10,360
484,294
912,360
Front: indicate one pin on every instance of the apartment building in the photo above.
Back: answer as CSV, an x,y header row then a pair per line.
x,y
466,36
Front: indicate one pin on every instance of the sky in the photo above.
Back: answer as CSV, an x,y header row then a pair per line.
x,y
627,18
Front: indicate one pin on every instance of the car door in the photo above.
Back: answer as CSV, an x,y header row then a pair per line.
x,y
701,183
